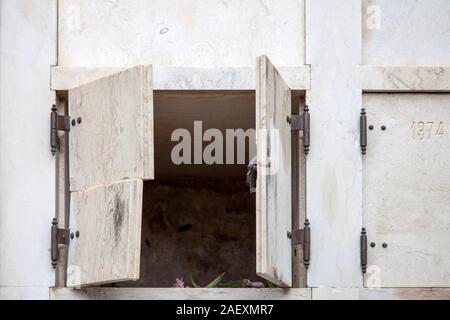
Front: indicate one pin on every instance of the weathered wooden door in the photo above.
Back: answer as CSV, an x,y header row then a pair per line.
x,y
273,188
111,153
407,190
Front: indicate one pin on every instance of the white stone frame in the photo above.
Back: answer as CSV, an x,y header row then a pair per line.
x,y
332,50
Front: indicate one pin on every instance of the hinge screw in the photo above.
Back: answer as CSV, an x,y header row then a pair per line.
x,y
383,128
77,234
373,244
371,127
79,120
385,245
74,123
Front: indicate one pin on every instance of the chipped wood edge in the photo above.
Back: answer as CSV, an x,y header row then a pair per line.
x,y
183,78
405,78
147,110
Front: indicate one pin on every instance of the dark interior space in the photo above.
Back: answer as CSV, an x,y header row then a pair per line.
x,y
198,220
197,227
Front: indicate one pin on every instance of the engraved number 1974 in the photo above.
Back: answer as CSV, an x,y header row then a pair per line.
x,y
426,130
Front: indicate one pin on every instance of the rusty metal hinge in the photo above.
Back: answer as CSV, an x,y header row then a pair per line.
x,y
303,237
302,123
363,249
363,130
57,123
59,236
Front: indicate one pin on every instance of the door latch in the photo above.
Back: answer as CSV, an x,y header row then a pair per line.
x,y
252,175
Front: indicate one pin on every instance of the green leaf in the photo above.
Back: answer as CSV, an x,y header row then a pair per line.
x,y
216,281
193,282
233,284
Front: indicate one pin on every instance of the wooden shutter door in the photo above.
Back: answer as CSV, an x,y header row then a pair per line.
x,y
273,191
111,153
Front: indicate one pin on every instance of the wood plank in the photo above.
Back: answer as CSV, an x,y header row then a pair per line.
x,y
179,294
108,219
183,78
406,190
114,141
405,78
273,194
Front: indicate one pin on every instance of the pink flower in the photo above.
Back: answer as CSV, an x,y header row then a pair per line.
x,y
179,283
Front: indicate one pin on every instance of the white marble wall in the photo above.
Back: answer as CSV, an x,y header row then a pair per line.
x,y
180,33
117,33
27,168
406,32
334,165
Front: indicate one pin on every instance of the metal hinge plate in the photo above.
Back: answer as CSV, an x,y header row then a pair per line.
x,y
363,250
296,123
59,237
302,123
57,123
303,237
363,131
